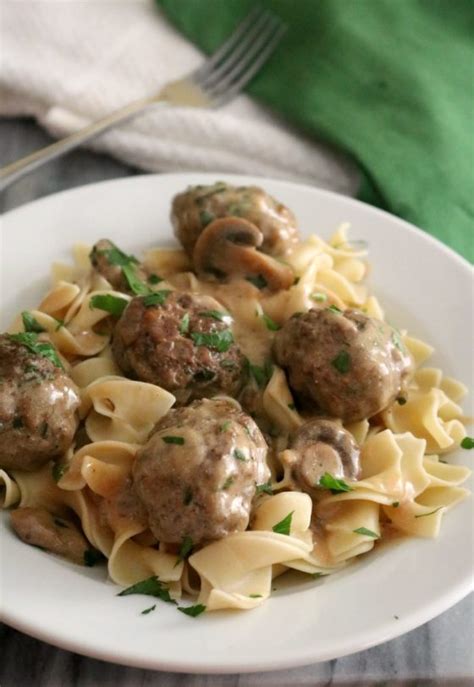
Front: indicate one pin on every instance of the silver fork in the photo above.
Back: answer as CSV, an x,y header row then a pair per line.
x,y
217,81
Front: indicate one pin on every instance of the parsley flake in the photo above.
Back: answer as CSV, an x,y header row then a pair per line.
x,y
115,256
205,218
261,375
319,297
185,549
336,486
58,470
152,586
367,533
467,443
184,324
154,279
283,527
109,303
397,341
43,348
216,315
342,362
432,512
317,575
156,298
220,341
192,611
240,455
225,426
395,504
264,488
148,610
270,324
255,596
31,324
228,483
179,441
335,309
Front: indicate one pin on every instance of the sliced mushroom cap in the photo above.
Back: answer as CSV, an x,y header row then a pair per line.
x,y
322,446
227,247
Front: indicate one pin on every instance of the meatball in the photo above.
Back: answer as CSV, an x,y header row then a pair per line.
x,y
195,208
344,364
181,342
197,474
109,261
322,446
38,404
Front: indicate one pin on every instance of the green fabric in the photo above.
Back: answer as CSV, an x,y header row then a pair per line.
x,y
388,81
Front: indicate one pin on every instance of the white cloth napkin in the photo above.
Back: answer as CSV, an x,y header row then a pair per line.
x,y
70,62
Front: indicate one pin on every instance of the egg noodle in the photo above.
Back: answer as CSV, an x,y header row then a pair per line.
x,y
404,485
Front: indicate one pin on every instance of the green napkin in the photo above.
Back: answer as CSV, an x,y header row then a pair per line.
x,y
388,81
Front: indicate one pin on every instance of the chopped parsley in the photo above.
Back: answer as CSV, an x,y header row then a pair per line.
x,y
185,548
206,218
154,279
261,375
368,533
179,441
467,442
156,298
335,309
240,455
31,324
432,512
228,483
255,596
43,348
148,610
336,486
317,575
270,324
264,488
187,496
215,314
395,504
283,527
259,281
220,341
225,426
401,401
319,297
136,285
184,324
58,470
152,586
342,362
396,340
109,303
92,556
115,256
192,611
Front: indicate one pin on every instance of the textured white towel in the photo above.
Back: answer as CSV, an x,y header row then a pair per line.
x,y
69,62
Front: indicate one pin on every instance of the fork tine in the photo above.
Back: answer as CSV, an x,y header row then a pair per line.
x,y
235,81
229,44
253,37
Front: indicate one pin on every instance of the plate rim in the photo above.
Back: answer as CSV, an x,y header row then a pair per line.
x,y
388,630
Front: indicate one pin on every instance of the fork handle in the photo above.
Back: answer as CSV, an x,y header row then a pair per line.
x,y
27,164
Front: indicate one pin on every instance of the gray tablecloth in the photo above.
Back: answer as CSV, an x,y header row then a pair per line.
x,y
438,653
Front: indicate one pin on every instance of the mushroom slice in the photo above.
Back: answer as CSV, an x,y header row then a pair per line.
x,y
228,248
319,446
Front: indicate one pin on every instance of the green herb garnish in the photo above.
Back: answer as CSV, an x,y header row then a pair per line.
x,y
342,362
397,341
366,532
92,556
264,488
225,426
137,286
156,298
115,256
229,482
283,527
336,486
184,324
109,303
185,548
424,515
240,455
395,504
154,279
31,324
42,348
255,596
179,441
215,314
152,586
148,610
467,442
259,281
192,611
261,375
270,324
206,218
220,341
317,575
319,297
58,470
335,309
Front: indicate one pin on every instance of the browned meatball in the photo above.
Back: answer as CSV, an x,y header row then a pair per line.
x,y
197,474
181,342
322,446
110,262
345,364
195,208
38,404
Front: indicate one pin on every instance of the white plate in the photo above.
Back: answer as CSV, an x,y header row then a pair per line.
x,y
424,285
